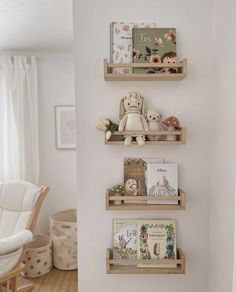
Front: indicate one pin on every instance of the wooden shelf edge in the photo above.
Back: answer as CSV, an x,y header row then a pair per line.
x,y
144,206
181,135
142,77
146,143
162,133
113,268
182,66
140,207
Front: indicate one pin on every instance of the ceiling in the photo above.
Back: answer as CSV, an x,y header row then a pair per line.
x,y
36,25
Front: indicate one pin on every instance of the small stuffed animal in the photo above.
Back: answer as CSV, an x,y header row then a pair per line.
x,y
132,117
153,118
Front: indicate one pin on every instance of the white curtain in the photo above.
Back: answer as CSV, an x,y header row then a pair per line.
x,y
19,149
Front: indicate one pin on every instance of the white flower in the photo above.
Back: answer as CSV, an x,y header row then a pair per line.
x,y
105,121
108,135
101,126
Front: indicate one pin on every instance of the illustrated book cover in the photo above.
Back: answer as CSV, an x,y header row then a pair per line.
x,y
122,43
124,239
156,240
162,181
134,178
154,45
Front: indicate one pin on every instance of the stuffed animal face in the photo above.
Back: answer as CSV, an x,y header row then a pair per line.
x,y
133,102
152,115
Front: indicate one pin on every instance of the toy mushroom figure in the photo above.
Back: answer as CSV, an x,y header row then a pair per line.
x,y
117,190
173,124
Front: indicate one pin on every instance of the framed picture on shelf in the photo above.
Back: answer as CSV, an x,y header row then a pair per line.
x,y
65,123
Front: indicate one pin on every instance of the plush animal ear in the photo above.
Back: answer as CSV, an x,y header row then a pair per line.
x,y
122,108
143,106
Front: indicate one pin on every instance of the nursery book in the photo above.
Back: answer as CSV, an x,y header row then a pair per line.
x,y
156,240
124,239
122,43
134,178
162,181
154,45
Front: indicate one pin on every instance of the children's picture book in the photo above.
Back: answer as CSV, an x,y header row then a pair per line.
x,y
154,45
162,181
134,178
124,239
122,43
156,240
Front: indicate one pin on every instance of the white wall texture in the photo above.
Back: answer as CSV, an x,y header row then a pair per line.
x,y
223,147
100,166
58,167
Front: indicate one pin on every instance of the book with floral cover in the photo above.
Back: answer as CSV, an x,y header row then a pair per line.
x,y
156,240
154,45
122,43
162,181
124,239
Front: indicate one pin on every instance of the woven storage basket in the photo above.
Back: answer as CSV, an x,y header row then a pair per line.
x,y
63,228
38,258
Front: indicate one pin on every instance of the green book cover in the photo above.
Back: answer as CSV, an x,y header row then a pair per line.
x,y
156,240
154,45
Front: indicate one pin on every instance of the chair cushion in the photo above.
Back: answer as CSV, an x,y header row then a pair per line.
x,y
13,222
9,261
18,195
17,199
14,242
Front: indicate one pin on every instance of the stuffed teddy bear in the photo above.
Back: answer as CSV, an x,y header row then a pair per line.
x,y
153,118
132,117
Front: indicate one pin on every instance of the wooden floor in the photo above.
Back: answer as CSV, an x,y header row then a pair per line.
x,y
55,281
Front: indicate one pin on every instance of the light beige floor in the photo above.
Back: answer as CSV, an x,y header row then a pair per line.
x,y
55,281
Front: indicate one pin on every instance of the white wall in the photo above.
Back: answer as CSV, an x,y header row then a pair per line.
x,y
58,167
100,166
223,148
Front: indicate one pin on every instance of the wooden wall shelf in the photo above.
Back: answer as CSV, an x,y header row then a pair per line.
x,y
130,266
144,206
181,67
117,138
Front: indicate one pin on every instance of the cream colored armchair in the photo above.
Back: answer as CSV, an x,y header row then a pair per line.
x,y
20,202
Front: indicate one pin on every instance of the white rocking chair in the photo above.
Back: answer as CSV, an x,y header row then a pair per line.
x,y
20,202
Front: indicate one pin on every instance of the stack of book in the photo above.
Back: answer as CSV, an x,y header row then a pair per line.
x,y
142,43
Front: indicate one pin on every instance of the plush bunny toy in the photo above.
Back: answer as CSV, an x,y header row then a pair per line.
x,y
132,117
